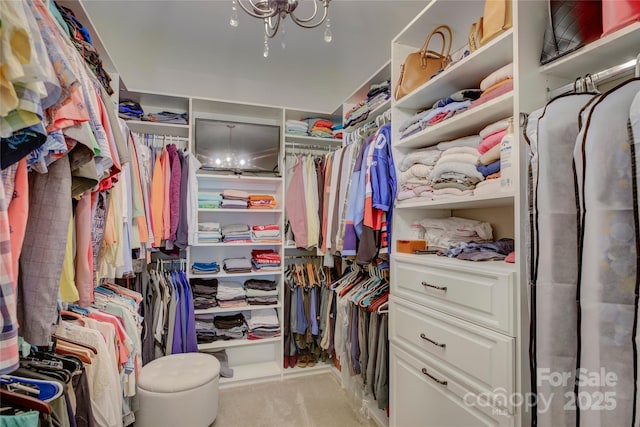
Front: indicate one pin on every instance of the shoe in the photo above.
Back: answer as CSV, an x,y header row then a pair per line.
x,y
286,362
292,361
302,361
311,360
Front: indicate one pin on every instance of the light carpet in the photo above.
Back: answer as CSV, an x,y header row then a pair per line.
x,y
312,401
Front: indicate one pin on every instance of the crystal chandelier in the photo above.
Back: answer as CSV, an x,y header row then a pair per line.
x,y
274,12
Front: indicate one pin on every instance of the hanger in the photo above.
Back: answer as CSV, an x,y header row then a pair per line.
x,y
25,402
70,315
384,308
74,342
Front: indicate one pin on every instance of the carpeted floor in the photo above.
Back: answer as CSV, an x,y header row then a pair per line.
x,y
312,401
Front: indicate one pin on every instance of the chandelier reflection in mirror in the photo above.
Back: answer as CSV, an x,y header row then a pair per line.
x,y
274,13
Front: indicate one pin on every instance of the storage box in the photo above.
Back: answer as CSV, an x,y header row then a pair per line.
x,y
410,246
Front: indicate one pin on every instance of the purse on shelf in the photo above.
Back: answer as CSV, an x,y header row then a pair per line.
x,y
495,20
475,35
419,67
570,25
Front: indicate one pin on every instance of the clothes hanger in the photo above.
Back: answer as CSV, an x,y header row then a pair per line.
x,y
74,342
70,315
25,402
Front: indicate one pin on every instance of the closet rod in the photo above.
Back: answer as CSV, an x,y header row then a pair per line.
x,y
299,146
601,77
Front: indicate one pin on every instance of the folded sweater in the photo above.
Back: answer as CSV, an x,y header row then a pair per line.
x,y
497,76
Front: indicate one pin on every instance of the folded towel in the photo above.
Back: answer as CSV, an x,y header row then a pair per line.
x,y
494,127
489,169
490,141
462,168
497,76
209,226
459,157
490,156
467,141
425,156
461,150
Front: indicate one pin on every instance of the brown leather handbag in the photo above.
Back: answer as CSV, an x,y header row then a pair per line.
x,y
419,67
496,19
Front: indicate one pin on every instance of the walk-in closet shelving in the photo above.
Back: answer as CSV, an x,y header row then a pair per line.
x,y
360,94
455,302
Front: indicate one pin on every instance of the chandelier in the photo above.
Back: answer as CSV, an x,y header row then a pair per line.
x,y
274,13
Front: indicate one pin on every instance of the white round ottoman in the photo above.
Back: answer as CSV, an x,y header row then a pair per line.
x,y
179,390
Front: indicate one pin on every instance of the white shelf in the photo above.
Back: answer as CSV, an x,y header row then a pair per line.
x,y
213,245
466,123
609,51
225,210
299,139
237,343
252,372
158,128
454,263
461,202
372,115
465,74
217,310
247,179
319,368
227,275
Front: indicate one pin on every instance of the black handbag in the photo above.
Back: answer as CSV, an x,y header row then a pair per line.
x,y
570,25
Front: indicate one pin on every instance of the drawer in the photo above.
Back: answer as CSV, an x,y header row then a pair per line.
x,y
422,395
486,358
478,295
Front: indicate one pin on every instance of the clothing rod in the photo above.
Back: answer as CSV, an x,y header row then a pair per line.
x,y
599,77
308,146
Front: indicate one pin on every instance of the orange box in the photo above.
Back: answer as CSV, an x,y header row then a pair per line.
x,y
410,246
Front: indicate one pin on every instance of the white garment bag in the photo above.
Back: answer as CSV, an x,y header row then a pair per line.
x,y
634,134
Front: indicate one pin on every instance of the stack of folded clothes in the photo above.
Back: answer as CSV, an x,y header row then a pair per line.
x,y
455,173
230,326
443,109
261,292
297,127
266,233
236,233
204,293
495,84
440,233
414,175
487,251
231,294
205,331
237,265
265,260
130,110
209,232
337,131
359,113
262,201
209,201
320,128
489,160
378,94
263,323
168,117
205,268
235,199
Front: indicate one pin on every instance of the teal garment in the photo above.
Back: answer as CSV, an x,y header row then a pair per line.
x,y
28,419
58,17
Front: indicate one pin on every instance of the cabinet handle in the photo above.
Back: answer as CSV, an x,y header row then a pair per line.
x,y
439,288
424,337
442,382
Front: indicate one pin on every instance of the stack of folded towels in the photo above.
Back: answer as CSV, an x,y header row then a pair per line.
x,y
495,84
204,293
415,173
263,323
205,331
378,94
261,292
209,232
236,233
455,173
235,199
441,233
231,294
230,326
262,201
209,201
266,233
321,128
489,160
265,260
205,268
237,265
359,113
297,127
337,131
487,251
441,110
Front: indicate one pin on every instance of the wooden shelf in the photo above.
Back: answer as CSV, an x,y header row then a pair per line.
x,y
454,263
300,139
237,343
247,179
466,123
252,372
217,310
372,115
227,275
225,210
609,51
158,128
213,245
461,202
465,74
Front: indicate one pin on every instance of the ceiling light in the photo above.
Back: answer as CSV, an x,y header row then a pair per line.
x,y
272,12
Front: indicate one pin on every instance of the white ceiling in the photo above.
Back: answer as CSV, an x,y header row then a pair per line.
x,y
187,48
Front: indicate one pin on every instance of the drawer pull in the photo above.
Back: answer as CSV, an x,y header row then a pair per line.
x,y
438,288
424,337
443,382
